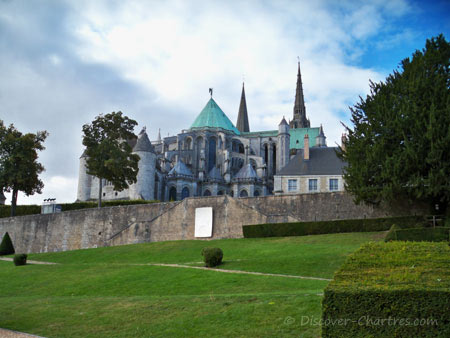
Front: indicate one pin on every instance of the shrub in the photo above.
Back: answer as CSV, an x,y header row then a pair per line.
x,y
437,234
6,247
212,256
390,236
20,259
329,227
384,286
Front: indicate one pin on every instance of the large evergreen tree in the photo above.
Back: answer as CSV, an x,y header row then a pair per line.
x,y
399,146
19,168
109,156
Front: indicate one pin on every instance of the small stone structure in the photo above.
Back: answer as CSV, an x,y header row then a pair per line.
x,y
90,228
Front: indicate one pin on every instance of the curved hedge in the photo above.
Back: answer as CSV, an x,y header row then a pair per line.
x,y
395,289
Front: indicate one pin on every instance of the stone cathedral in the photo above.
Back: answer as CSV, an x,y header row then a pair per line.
x,y
212,157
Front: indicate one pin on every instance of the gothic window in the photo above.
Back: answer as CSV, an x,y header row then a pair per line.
x,y
184,193
312,184
188,144
257,193
243,193
220,193
207,193
274,161
212,154
172,194
266,153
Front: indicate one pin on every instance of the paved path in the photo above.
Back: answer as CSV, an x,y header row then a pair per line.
x,y
4,333
28,262
238,271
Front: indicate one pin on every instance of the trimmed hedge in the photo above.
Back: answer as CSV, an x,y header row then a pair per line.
x,y
20,259
6,246
22,210
437,234
395,289
329,227
212,256
390,236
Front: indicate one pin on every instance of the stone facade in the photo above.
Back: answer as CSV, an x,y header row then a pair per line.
x,y
90,228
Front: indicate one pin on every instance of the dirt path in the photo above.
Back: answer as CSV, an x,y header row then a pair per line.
x,y
28,262
238,271
15,334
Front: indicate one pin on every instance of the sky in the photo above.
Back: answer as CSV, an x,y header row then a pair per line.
x,y
62,63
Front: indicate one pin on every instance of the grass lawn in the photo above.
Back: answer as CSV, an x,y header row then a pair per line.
x,y
110,292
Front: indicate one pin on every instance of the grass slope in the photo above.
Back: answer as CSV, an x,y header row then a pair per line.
x,y
108,292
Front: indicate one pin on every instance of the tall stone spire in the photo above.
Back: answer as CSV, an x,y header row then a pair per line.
x,y
299,120
242,121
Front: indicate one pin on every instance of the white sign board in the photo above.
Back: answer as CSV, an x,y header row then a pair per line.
x,y
203,222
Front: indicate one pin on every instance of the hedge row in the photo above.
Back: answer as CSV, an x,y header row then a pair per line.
x,y
395,289
437,234
21,210
328,227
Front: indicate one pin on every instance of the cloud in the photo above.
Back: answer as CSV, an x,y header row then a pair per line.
x,y
64,62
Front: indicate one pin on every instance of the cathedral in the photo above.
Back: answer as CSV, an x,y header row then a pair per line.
x,y
213,157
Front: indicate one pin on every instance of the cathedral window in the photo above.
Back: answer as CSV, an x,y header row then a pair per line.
x,y
313,184
243,193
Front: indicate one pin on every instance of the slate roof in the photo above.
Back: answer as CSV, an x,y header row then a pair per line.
x,y
322,161
246,173
215,174
180,169
143,143
213,117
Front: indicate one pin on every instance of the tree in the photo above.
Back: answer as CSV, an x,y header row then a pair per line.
x,y
399,146
109,156
19,168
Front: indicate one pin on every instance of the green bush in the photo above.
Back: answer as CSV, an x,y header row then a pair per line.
x,y
6,246
21,210
212,256
395,289
20,259
329,227
437,234
390,236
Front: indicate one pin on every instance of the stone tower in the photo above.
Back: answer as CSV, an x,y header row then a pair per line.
x,y
283,145
84,181
242,121
144,188
299,120
321,139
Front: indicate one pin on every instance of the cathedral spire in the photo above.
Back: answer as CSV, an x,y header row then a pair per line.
x,y
242,121
299,120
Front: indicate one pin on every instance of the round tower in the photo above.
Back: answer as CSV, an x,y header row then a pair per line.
x,y
144,188
283,144
84,180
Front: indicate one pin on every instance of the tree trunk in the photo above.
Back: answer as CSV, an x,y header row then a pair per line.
x,y
13,202
99,192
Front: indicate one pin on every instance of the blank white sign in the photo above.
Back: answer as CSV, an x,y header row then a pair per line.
x,y
203,222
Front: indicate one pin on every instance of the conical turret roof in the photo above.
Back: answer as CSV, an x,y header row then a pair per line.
x,y
143,143
213,117
180,169
215,174
246,173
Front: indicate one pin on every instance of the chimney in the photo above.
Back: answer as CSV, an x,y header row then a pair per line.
x,y
306,147
343,141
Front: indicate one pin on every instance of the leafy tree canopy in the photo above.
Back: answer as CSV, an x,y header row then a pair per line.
x,y
19,168
399,146
109,156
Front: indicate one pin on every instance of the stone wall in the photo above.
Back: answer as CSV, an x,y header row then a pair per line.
x,y
90,228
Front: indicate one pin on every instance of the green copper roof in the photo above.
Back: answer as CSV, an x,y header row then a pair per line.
x,y
298,134
213,117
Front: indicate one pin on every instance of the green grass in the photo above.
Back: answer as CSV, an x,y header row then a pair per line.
x,y
105,292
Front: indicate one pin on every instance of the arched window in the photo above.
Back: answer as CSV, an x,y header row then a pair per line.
x,y
243,193
172,194
184,193
220,193
198,149
274,162
188,143
212,153
241,148
266,153
256,193
207,193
